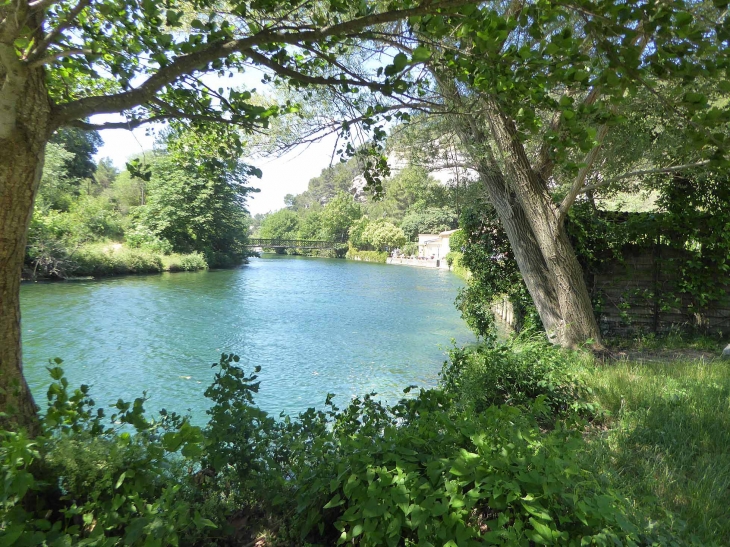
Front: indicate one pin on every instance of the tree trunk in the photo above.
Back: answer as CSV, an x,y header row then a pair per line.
x,y
24,130
527,253
578,323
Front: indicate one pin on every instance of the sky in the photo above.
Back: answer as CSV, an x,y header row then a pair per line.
x,y
289,174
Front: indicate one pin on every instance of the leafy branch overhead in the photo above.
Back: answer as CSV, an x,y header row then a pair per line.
x,y
108,57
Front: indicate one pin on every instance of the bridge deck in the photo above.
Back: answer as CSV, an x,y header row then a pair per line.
x,y
293,243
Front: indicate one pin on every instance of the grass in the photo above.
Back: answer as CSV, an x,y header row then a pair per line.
x,y
105,259
184,262
671,341
367,256
666,442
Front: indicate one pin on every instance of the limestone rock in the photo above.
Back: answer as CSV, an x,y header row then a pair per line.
x,y
726,352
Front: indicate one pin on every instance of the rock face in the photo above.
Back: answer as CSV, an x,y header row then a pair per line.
x,y
726,352
358,189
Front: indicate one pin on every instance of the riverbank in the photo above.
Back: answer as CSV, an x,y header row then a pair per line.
x,y
451,262
111,259
520,443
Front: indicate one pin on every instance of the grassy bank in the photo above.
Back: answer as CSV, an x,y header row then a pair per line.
x,y
666,441
106,259
367,256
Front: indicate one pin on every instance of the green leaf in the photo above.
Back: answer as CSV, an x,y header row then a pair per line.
x,y
336,501
421,54
120,480
400,61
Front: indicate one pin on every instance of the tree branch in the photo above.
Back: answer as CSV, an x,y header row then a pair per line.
x,y
643,172
59,55
299,77
579,181
188,64
39,5
137,122
53,34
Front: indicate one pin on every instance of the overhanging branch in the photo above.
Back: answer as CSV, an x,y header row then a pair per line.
x,y
56,32
642,172
188,64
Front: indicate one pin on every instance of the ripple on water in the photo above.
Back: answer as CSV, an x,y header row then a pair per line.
x,y
315,326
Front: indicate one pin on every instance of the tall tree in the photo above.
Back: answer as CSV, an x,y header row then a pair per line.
x,y
83,145
532,90
64,61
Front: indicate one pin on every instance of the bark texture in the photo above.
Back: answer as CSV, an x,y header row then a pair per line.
x,y
24,130
512,216
578,323
530,218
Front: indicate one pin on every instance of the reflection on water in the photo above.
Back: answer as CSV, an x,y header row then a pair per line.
x,y
314,325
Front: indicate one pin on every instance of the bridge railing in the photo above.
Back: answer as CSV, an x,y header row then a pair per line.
x,y
293,243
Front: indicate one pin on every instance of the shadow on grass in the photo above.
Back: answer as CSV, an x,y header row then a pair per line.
x,y
668,442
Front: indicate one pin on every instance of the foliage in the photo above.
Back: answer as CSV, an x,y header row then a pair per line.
x,y
367,256
356,232
107,260
194,211
84,483
57,185
283,224
382,235
431,220
516,373
192,203
337,217
486,254
184,263
690,229
496,456
83,145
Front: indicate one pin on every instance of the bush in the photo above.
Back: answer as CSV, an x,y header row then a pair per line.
x,y
83,483
410,249
142,237
185,263
429,470
115,260
516,373
367,256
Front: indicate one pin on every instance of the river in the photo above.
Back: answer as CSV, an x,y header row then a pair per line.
x,y
315,326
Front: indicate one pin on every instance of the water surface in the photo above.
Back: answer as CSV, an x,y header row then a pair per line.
x,y
315,326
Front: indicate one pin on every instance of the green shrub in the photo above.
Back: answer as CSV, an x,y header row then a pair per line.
x,y
185,263
516,373
84,483
450,466
367,256
111,260
410,249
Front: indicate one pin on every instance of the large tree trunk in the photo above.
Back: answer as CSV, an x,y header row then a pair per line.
x,y
578,323
526,250
24,130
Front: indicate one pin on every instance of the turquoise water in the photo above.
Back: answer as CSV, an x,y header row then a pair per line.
x,y
315,326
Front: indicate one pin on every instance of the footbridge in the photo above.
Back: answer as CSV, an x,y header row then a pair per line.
x,y
294,244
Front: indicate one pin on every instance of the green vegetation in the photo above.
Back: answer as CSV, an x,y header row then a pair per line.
x,y
667,439
522,444
174,210
413,203
367,256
